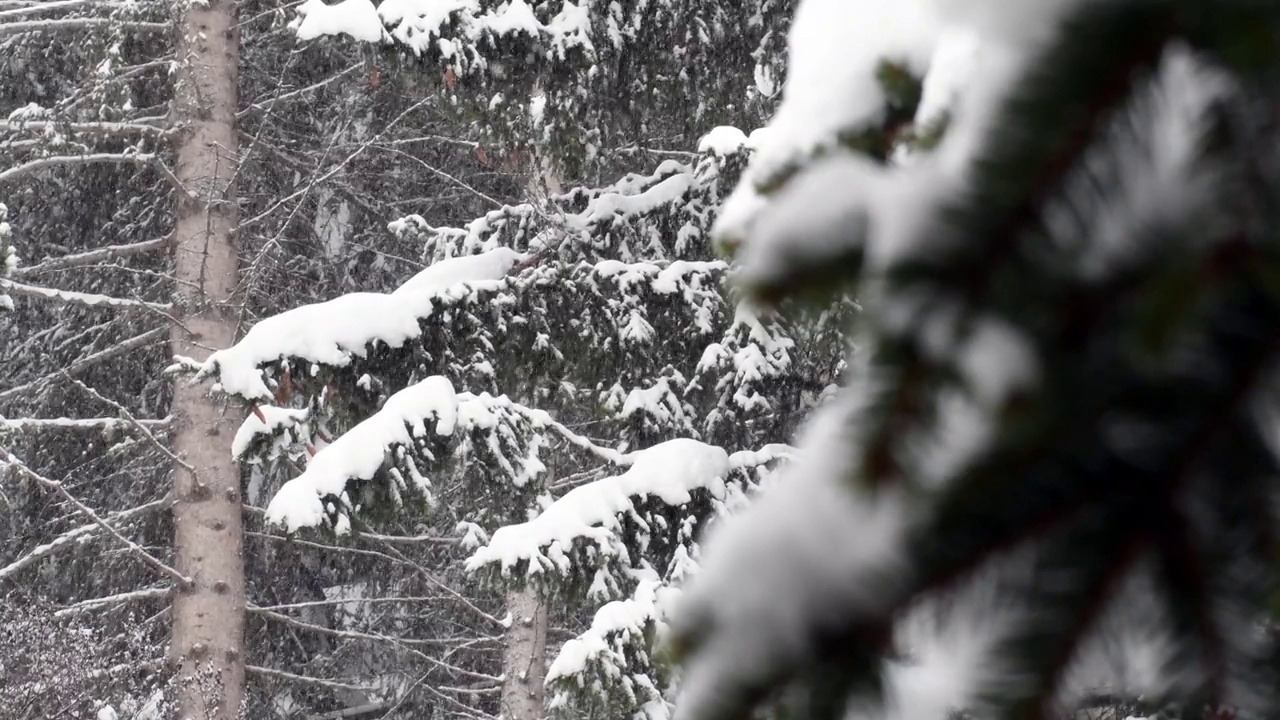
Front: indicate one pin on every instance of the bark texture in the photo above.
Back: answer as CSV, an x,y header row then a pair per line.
x,y
524,661
208,616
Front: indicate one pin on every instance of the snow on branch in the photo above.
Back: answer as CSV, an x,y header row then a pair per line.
x,y
669,471
672,184
27,168
77,535
604,654
8,258
362,452
89,257
8,459
62,423
85,128
332,332
11,28
78,298
451,28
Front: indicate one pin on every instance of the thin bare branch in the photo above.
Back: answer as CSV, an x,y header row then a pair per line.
x,y
91,257
133,343
11,460
75,536
305,679
128,416
86,128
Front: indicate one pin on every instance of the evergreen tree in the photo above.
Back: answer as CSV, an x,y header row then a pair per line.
x,y
571,381
1052,476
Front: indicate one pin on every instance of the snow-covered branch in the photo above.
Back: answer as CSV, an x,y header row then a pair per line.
x,y
95,603
78,298
11,28
21,8
670,471
35,425
27,168
90,257
85,128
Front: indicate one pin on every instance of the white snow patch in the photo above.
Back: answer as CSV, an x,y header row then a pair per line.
x,y
669,471
362,451
330,333
356,18
273,419
723,141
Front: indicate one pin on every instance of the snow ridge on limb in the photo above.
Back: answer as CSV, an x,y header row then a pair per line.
x,y
414,426
330,333
668,471
363,451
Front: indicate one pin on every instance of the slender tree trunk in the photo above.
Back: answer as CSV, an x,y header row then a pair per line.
x,y
209,616
524,661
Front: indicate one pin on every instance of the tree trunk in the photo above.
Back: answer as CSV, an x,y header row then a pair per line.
x,y
524,658
209,616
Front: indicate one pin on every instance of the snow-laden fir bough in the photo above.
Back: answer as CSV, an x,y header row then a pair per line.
x,y
1052,477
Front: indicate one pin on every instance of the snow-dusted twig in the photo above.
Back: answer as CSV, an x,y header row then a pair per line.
x,y
77,298
411,539
18,171
22,7
76,535
358,711
80,23
306,679
90,257
406,644
344,601
431,578
128,416
86,128
172,179
254,107
98,424
95,603
11,460
134,343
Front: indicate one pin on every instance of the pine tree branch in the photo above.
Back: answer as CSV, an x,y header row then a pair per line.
x,y
31,7
71,297
407,644
36,425
91,257
11,28
86,128
126,597
19,171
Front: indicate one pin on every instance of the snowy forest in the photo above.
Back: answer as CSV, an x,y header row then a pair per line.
x,y
639,359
